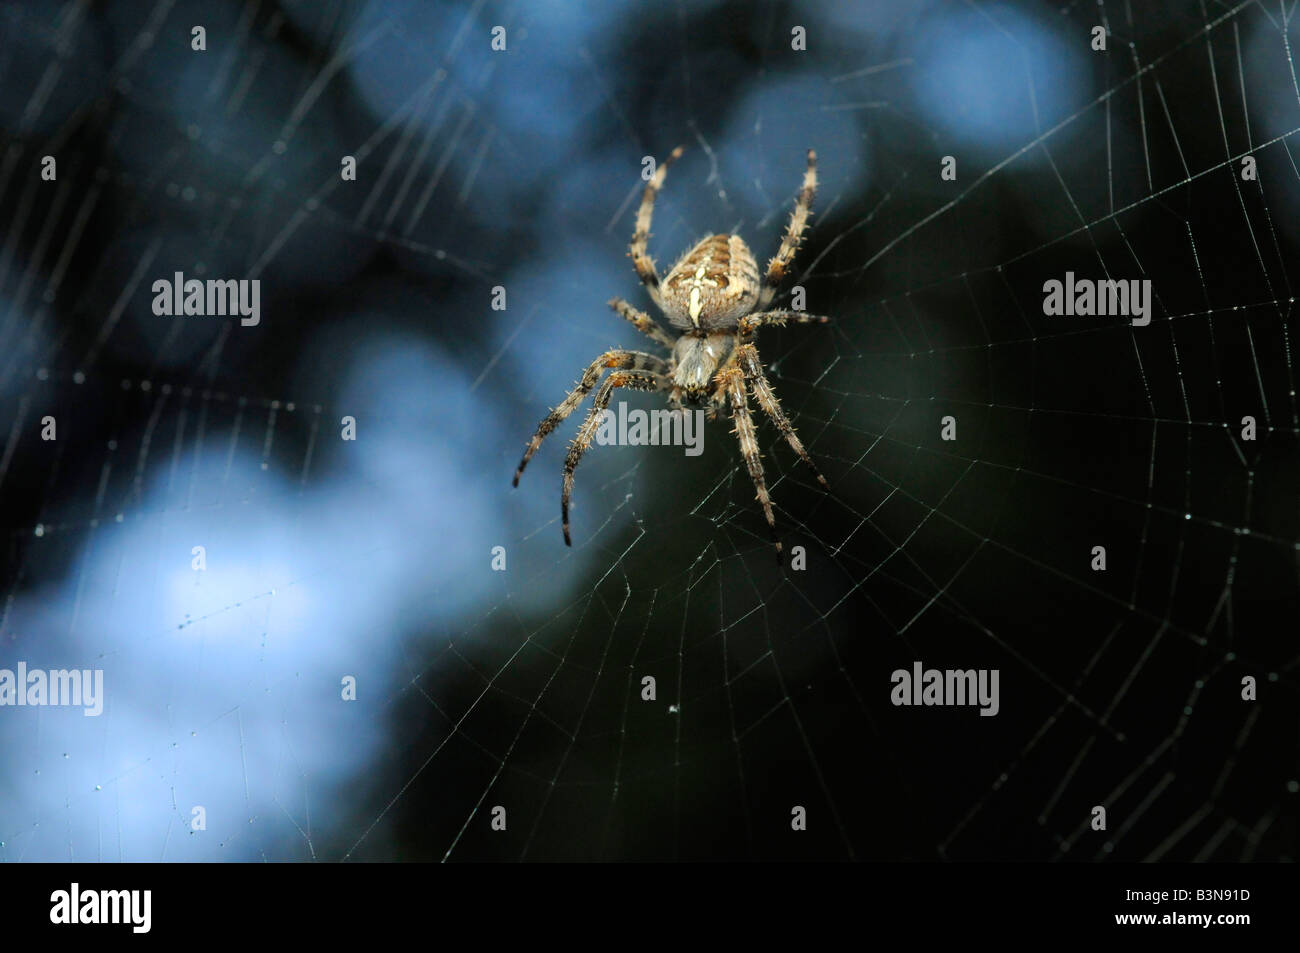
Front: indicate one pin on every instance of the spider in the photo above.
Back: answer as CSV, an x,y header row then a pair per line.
x,y
714,298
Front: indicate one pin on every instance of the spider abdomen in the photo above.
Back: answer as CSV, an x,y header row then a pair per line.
x,y
713,285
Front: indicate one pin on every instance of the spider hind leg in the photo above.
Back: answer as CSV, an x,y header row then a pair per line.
x,y
641,261
780,263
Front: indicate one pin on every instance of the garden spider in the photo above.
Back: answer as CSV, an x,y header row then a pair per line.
x,y
714,297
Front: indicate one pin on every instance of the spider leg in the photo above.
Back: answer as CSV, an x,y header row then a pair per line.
x,y
716,403
732,380
634,360
644,265
777,267
747,357
634,379
642,322
752,322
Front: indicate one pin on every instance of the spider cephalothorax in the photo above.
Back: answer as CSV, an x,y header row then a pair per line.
x,y
714,296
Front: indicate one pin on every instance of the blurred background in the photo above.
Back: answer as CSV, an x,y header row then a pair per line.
x,y
521,688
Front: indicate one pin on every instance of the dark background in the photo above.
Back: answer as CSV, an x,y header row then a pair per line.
x,y
521,689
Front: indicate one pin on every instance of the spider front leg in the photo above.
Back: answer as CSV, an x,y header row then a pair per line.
x,y
633,360
732,380
716,404
747,357
636,380
779,265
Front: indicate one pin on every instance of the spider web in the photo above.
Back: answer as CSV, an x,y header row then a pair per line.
x,y
522,688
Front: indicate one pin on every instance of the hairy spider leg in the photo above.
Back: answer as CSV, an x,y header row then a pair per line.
x,y
642,322
732,380
747,357
779,265
632,360
635,380
644,265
